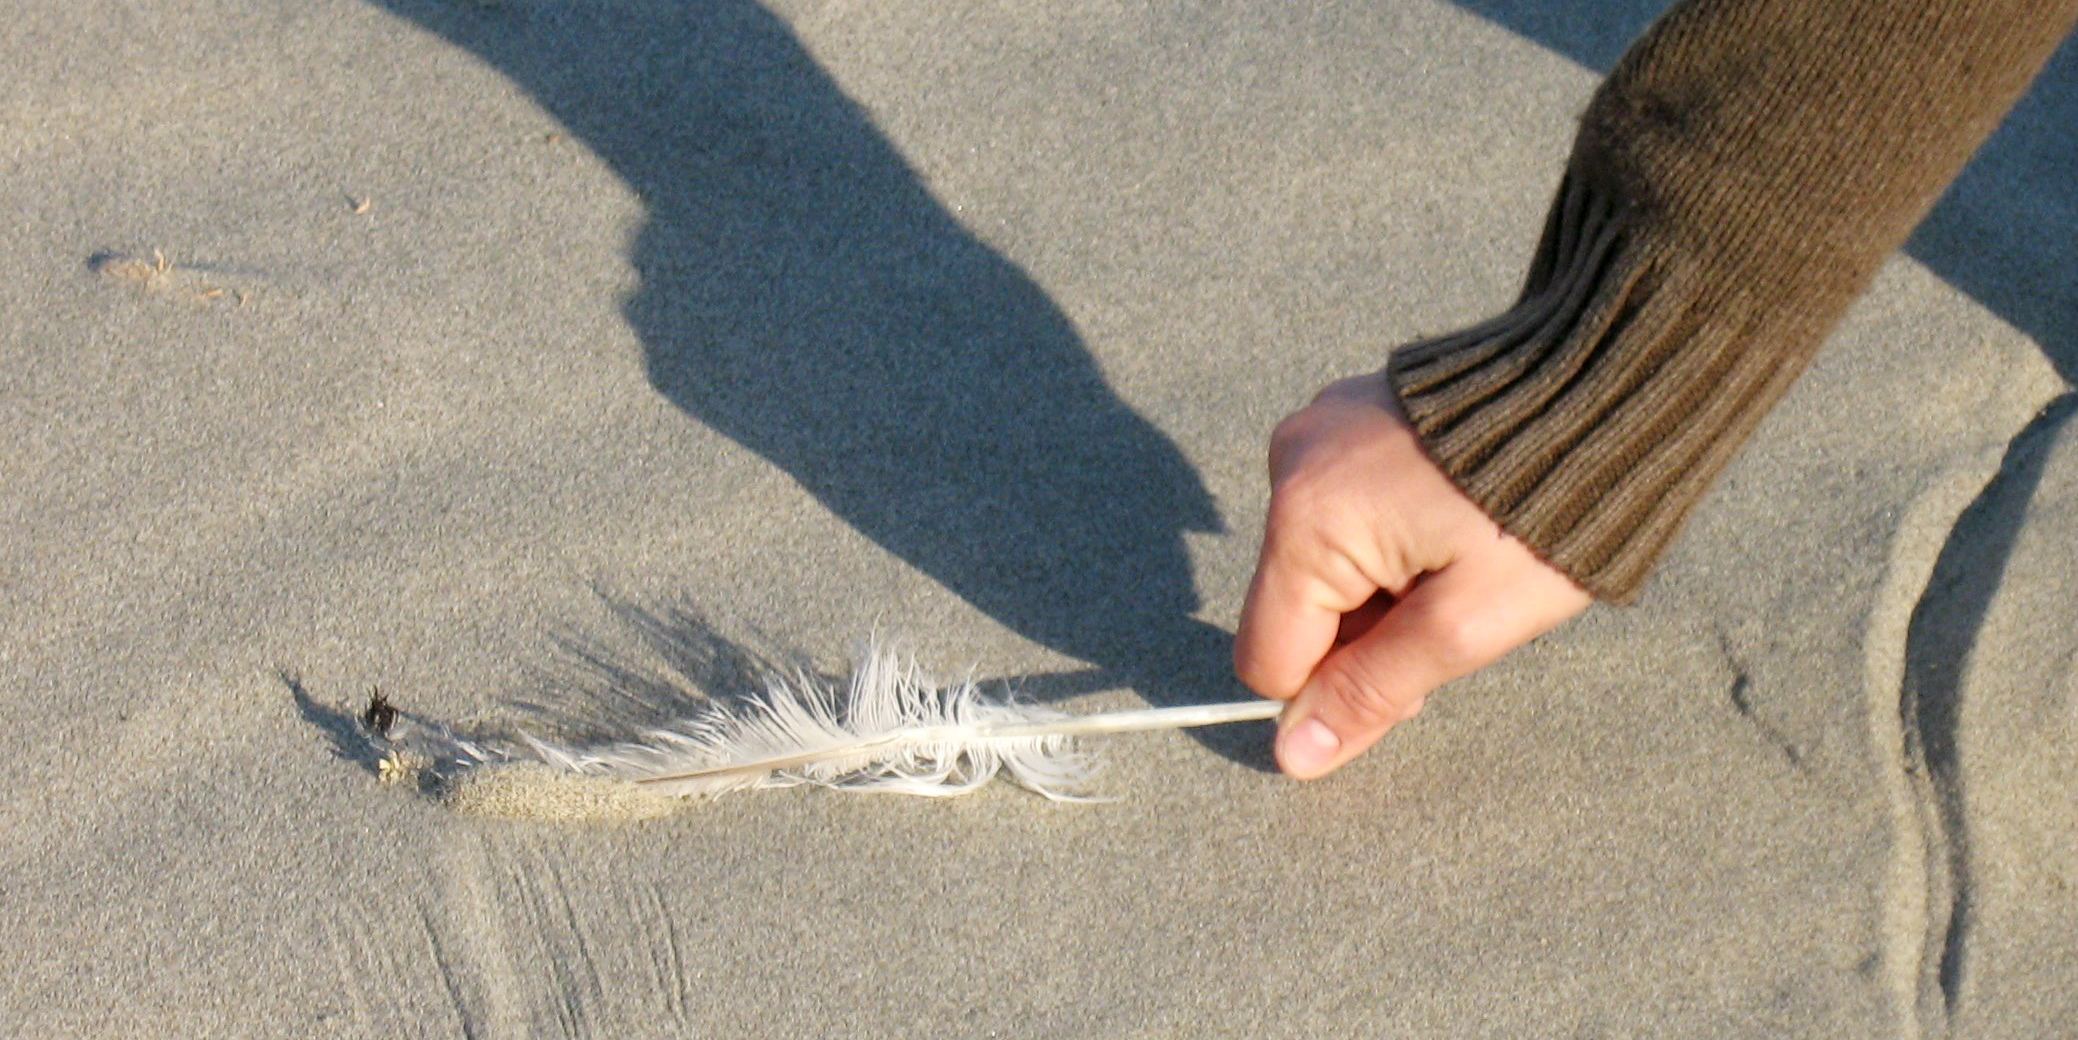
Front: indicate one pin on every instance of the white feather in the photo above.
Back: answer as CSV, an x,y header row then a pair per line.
x,y
888,729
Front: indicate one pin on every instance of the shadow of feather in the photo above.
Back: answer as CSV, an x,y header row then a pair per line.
x,y
665,662
346,737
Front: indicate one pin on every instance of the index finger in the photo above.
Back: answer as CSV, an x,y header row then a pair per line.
x,y
1288,623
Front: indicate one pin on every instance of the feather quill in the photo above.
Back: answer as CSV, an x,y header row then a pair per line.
x,y
888,729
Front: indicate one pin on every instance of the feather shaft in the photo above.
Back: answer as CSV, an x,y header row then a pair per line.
x,y
1137,720
1183,717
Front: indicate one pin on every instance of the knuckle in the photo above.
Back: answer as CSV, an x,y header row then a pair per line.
x,y
1291,428
1291,507
1313,489
1286,439
1367,701
1287,429
1303,514
1248,667
1346,388
1460,642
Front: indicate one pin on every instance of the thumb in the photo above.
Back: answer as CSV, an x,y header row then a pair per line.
x,y
1442,629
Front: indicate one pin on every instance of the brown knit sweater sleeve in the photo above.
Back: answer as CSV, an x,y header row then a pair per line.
x,y
1735,184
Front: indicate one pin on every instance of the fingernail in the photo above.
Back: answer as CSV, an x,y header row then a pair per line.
x,y
1307,748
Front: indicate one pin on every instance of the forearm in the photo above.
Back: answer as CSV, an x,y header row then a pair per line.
x,y
1736,183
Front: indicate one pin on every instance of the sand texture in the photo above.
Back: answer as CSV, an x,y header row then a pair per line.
x,y
545,363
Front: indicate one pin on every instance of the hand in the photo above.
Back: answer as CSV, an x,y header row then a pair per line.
x,y
1378,582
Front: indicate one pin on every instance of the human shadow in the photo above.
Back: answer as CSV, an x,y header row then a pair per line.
x,y
804,294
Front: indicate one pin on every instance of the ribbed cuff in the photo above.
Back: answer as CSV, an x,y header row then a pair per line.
x,y
1591,417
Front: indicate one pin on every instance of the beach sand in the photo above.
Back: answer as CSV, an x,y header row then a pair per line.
x,y
541,363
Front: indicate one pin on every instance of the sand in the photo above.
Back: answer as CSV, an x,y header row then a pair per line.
x,y
540,363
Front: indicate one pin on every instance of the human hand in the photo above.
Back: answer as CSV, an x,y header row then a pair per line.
x,y
1378,581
